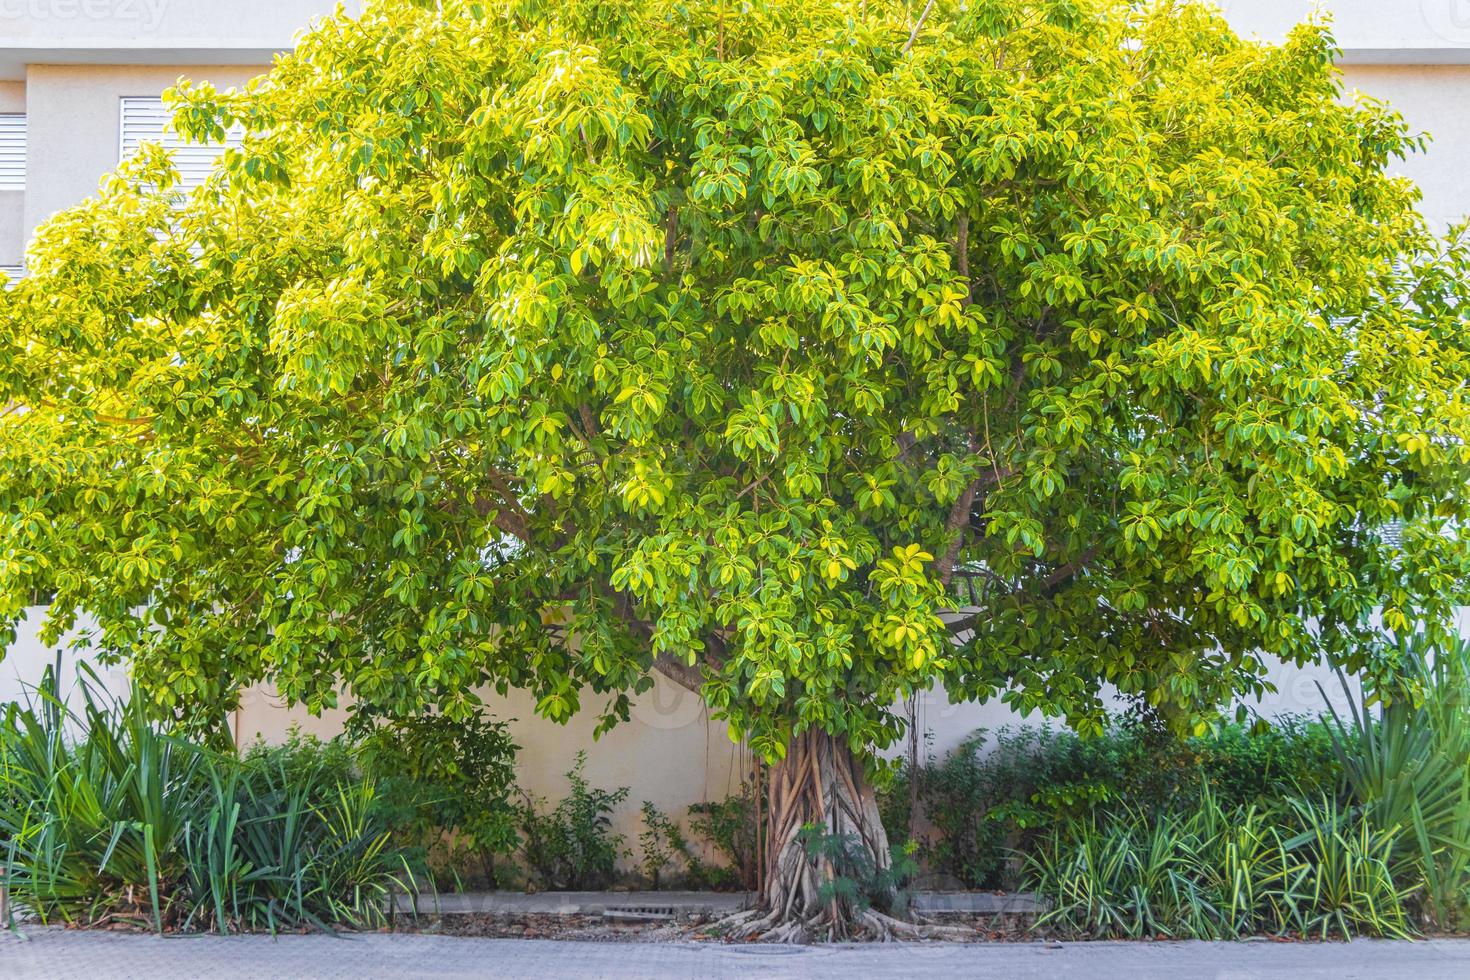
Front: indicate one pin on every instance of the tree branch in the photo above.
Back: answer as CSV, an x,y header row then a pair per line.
x,y
962,253
959,517
688,676
510,516
691,678
918,25
671,238
1061,574
958,520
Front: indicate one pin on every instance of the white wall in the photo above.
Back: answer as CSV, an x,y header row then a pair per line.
x,y
27,658
1368,31
79,24
1433,99
73,115
669,753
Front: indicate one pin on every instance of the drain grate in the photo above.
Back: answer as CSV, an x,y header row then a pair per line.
x,y
639,913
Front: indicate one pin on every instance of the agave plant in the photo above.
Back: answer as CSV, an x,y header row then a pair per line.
x,y
1406,756
91,821
105,816
1218,873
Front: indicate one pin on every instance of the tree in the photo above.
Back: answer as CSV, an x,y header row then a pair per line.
x,y
808,353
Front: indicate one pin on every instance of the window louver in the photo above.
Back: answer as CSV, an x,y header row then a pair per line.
x,y
12,151
145,119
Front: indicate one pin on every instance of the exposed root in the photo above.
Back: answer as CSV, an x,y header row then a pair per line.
x,y
819,784
886,928
769,926
745,925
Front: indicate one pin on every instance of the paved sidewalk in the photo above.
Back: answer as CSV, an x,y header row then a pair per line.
x,y
55,954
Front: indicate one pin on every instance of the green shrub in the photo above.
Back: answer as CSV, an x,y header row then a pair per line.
x,y
572,846
1407,763
302,757
857,882
108,818
988,798
665,845
1217,872
730,825
450,785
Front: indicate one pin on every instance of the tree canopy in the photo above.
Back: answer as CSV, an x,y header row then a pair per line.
x,y
810,352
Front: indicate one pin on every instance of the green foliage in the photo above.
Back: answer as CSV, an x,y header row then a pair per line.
x,y
1215,872
993,794
286,843
572,847
303,757
92,825
733,340
856,881
453,781
664,842
107,818
1408,766
731,826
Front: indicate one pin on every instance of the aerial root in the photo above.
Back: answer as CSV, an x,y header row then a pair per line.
x,y
770,927
886,928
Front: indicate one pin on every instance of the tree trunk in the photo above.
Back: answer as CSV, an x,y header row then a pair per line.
x,y
821,785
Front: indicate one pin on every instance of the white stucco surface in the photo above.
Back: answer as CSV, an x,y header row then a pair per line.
x,y
1393,31
670,752
73,118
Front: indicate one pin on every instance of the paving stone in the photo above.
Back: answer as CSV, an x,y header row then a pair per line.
x,y
58,954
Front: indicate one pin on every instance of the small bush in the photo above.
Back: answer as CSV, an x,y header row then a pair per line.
x,y
450,785
730,825
303,757
992,795
108,818
1217,872
572,847
857,882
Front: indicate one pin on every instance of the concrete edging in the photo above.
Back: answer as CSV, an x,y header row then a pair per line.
x,y
681,902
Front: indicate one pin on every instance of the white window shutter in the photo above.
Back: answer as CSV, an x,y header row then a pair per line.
x,y
12,151
145,119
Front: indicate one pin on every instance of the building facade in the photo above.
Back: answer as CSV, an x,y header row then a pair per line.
x,y
80,87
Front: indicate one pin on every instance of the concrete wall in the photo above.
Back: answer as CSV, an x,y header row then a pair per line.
x,y
73,119
1368,31
23,663
1433,99
80,24
157,32
669,752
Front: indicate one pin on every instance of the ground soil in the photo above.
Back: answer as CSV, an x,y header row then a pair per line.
x,y
680,928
